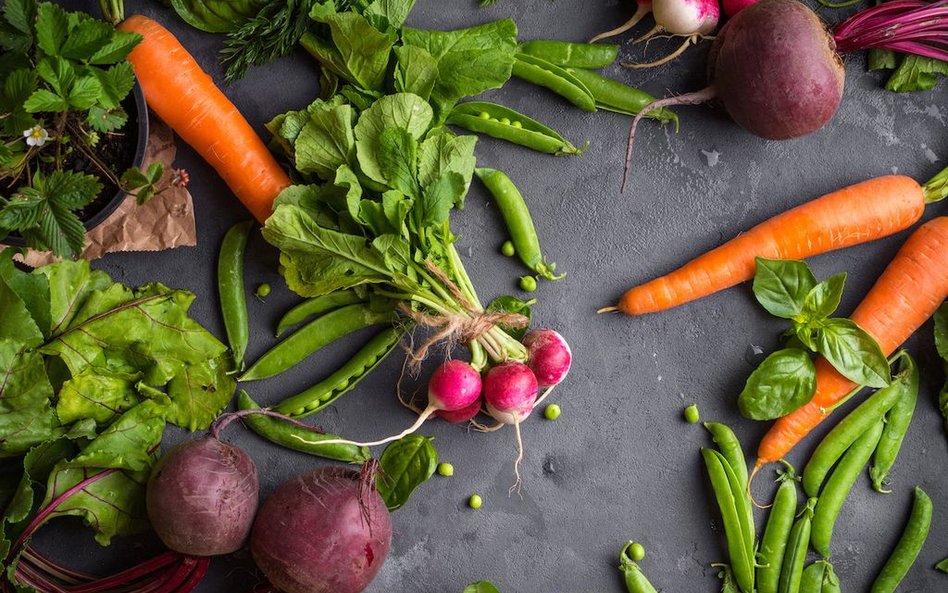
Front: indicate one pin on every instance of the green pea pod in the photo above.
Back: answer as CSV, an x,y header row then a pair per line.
x,y
230,286
612,95
344,378
856,423
501,122
730,447
773,546
742,556
830,581
316,306
812,579
635,580
284,434
897,421
572,55
909,546
550,76
519,223
839,484
792,571
314,335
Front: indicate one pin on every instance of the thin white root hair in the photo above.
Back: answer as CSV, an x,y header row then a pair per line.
x,y
421,420
545,395
482,428
516,485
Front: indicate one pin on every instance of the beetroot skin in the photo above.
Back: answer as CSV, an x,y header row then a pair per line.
x,y
777,71
202,496
322,532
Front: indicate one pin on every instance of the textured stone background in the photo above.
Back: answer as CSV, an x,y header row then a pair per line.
x,y
619,463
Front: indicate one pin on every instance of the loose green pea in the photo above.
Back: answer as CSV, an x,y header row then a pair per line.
x,y
263,291
446,469
508,249
637,552
475,501
691,414
483,115
528,283
505,121
551,412
517,124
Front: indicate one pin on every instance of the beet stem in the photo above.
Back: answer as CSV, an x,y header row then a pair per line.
x,y
907,26
696,98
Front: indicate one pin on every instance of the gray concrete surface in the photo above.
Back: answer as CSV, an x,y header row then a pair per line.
x,y
620,463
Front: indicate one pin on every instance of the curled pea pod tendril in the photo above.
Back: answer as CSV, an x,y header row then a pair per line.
x,y
230,286
791,573
773,546
612,95
909,546
635,580
504,123
572,55
857,422
345,378
287,435
732,504
314,335
552,77
837,487
519,223
316,306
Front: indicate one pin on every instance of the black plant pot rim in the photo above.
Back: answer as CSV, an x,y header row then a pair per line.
x,y
141,115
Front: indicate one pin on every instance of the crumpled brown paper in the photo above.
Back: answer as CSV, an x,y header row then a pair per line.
x,y
164,222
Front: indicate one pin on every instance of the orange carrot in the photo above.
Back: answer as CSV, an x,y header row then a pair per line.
x,y
909,291
855,214
186,98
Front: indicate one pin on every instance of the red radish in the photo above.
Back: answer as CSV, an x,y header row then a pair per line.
x,y
692,19
202,496
642,8
776,70
463,415
454,386
550,356
510,390
327,531
732,7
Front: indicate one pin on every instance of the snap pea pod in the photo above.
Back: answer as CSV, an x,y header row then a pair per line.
x,y
572,55
856,423
773,546
819,577
519,223
909,546
612,95
635,581
314,335
792,571
230,286
550,76
501,122
730,503
282,433
897,422
344,378
316,306
730,447
839,484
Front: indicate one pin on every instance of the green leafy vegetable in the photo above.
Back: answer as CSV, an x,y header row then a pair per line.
x,y
910,72
941,345
405,464
853,352
943,565
481,587
781,286
216,16
783,382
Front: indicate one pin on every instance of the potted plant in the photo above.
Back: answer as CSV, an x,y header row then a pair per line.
x,y
73,126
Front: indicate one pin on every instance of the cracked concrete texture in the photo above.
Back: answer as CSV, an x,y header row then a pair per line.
x,y
619,463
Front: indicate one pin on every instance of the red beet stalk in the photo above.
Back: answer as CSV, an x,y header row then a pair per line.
x,y
907,26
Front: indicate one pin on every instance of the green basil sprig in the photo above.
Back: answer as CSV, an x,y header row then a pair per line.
x,y
787,378
405,464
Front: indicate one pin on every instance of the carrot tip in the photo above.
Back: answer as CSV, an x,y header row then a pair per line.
x,y
757,467
607,310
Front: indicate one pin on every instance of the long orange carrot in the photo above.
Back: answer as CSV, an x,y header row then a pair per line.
x,y
856,214
186,98
909,291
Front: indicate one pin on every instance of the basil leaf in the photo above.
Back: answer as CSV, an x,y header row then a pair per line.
x,y
853,352
781,286
823,299
941,331
782,383
481,587
216,16
943,565
405,464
